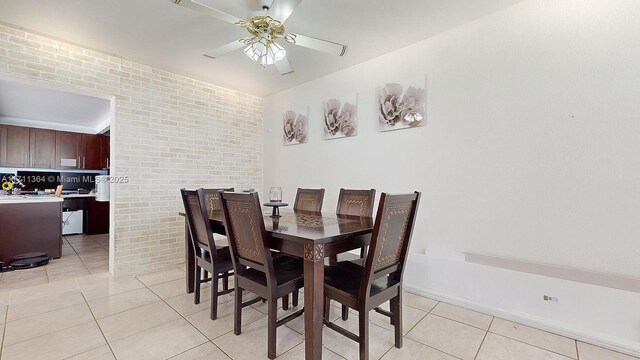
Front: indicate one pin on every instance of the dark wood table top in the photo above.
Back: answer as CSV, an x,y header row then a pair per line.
x,y
309,226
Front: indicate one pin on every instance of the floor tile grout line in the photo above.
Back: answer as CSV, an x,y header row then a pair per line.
x,y
532,345
45,312
459,322
99,328
577,350
42,335
430,346
4,331
483,338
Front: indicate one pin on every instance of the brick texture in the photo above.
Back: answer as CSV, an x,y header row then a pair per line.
x,y
169,132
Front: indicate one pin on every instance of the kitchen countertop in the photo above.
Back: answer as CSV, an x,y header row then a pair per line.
x,y
26,199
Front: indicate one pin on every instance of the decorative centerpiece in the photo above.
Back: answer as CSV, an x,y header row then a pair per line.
x,y
275,201
12,183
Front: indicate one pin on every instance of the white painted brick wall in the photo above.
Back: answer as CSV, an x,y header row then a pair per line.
x,y
170,132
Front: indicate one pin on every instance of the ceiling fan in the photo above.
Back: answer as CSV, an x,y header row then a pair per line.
x,y
265,28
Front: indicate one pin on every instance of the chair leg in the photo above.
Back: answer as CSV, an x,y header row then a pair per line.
x,y
285,302
214,296
327,308
363,252
272,313
237,311
225,281
396,309
294,301
345,313
364,334
333,259
196,285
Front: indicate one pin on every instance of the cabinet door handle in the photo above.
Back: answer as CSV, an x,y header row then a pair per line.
x,y
107,162
84,162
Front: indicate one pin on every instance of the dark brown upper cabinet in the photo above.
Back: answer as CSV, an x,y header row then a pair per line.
x,y
42,148
68,150
14,146
106,151
92,148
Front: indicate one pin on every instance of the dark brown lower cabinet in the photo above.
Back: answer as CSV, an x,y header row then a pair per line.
x,y
30,227
96,217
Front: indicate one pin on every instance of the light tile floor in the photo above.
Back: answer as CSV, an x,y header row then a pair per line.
x,y
151,317
81,255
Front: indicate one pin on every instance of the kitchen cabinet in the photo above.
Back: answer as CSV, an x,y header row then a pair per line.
x,y
68,150
92,152
14,146
42,148
96,217
106,151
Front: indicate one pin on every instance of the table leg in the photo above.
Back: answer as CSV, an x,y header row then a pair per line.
x,y
189,257
313,300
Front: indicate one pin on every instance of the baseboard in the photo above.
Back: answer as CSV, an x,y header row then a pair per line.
x,y
601,316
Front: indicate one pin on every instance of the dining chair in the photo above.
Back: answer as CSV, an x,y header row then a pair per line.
x,y
212,197
256,270
309,200
209,258
212,203
356,203
365,288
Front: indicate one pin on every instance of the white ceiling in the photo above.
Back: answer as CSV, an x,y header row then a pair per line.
x,y
35,106
167,36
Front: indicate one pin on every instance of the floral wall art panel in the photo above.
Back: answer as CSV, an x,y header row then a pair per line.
x,y
402,105
294,126
340,116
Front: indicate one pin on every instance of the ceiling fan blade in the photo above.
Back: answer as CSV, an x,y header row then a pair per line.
x,y
281,9
284,67
208,10
317,44
222,50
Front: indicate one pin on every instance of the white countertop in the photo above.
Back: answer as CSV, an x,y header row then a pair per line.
x,y
26,199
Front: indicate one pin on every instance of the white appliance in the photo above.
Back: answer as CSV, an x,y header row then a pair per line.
x,y
102,187
72,222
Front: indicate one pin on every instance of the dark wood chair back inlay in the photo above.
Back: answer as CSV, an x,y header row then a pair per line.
x,y
246,231
309,200
212,197
356,202
390,239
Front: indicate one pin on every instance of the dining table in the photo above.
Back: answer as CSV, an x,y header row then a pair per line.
x,y
312,236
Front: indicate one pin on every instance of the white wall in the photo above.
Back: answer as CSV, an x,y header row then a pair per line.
x,y
530,151
531,146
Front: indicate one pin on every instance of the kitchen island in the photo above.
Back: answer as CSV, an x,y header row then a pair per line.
x,y
30,224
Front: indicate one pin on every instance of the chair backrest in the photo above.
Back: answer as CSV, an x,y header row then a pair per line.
x,y
212,197
309,200
246,232
356,202
390,239
198,222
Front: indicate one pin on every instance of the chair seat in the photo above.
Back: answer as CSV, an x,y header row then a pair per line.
x,y
287,269
346,276
224,262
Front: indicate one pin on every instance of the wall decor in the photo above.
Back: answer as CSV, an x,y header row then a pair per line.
x,y
340,118
294,127
401,106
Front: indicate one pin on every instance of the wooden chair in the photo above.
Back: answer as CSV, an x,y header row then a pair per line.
x,y
357,203
213,259
255,268
309,200
380,280
212,197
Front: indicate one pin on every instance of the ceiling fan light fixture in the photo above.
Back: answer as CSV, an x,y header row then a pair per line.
x,y
264,51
